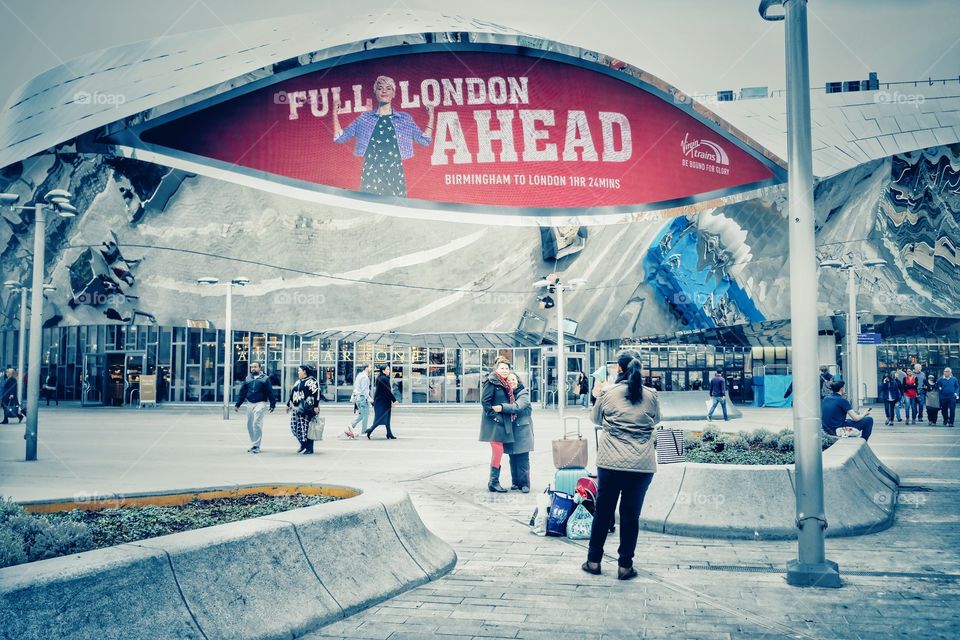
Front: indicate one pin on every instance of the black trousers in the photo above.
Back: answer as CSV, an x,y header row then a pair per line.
x,y
949,408
381,417
520,469
631,488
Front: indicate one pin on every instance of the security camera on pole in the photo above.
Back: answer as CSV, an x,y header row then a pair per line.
x,y
553,285
227,337
59,201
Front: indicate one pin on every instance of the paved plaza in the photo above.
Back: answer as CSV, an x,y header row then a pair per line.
x,y
508,583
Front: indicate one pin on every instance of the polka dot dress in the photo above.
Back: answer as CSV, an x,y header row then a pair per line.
x,y
382,167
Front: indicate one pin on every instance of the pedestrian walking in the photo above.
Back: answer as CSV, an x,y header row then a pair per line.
x,y
583,389
900,374
891,393
362,399
825,379
258,391
931,398
303,401
911,396
718,392
921,397
50,386
949,391
8,397
383,402
519,450
627,413
496,427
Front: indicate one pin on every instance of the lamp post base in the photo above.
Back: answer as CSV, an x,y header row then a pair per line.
x,y
826,575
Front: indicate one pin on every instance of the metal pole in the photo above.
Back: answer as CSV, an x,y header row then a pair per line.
x,y
228,353
853,360
561,355
36,323
811,568
21,344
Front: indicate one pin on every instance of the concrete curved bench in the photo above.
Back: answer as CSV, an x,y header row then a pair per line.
x,y
758,501
277,576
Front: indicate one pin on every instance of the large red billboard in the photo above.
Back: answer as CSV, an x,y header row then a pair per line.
x,y
470,127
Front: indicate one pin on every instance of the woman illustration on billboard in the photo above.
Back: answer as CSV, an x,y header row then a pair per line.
x,y
385,138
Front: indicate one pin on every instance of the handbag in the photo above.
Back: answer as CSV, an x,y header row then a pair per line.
x,y
561,506
670,447
569,453
315,429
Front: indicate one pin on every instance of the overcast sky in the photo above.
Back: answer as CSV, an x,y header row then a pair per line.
x,y
698,45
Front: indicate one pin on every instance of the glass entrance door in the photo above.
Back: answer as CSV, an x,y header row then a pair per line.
x,y
93,381
135,365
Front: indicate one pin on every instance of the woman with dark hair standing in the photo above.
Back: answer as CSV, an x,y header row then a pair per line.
x,y
303,401
383,402
627,413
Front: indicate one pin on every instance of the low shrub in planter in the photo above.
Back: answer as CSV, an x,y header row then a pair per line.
x,y
25,537
757,447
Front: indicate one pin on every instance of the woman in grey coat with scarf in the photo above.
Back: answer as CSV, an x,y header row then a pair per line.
x,y
519,450
496,427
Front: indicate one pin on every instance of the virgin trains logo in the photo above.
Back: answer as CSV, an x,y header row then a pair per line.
x,y
704,155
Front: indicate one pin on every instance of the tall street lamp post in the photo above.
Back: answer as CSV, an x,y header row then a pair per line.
x,y
59,201
228,338
553,285
15,287
852,361
811,567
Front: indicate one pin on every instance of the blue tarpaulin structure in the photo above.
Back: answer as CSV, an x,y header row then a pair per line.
x,y
773,391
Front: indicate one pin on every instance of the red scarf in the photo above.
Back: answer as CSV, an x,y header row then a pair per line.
x,y
506,385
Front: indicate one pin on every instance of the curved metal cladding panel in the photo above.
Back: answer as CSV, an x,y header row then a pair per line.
x,y
317,267
128,81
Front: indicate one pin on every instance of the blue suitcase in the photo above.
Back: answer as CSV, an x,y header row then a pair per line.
x,y
565,480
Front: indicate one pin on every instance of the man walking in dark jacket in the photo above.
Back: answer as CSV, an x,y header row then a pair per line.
x,y
949,389
259,392
718,391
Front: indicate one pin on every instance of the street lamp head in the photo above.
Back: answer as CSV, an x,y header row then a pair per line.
x,y
9,198
208,281
767,5
49,288
57,193
541,283
876,262
240,282
65,210
12,284
831,264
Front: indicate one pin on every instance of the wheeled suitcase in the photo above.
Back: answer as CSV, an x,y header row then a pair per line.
x,y
565,480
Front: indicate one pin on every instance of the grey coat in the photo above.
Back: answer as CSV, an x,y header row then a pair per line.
x,y
627,441
494,427
522,425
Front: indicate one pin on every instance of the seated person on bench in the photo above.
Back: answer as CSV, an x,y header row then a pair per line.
x,y
836,413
